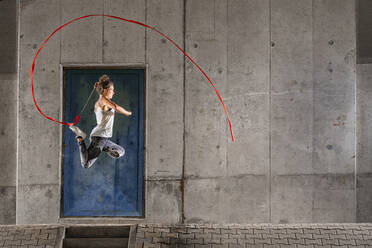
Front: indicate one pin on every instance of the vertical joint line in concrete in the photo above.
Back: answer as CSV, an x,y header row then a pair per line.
x,y
60,35
270,178
314,94
61,140
145,33
356,11
144,183
18,14
227,83
103,33
182,183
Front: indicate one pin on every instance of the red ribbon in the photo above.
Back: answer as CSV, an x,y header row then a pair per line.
x,y
127,20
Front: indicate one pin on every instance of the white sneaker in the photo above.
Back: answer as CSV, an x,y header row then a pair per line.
x,y
78,132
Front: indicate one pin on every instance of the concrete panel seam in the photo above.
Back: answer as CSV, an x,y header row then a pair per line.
x,y
182,183
270,127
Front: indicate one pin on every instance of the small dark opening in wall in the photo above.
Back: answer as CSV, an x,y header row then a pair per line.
x,y
100,236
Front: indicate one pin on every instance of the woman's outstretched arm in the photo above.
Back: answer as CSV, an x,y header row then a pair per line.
x,y
114,106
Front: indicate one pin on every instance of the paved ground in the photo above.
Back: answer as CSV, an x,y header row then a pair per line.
x,y
209,236
234,236
33,236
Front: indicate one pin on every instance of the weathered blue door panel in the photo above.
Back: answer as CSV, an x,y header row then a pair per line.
x,y
111,187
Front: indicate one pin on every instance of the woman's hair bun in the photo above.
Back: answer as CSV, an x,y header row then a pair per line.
x,y
103,83
104,78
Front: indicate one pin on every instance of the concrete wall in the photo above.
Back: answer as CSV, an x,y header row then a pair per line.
x,y
8,117
8,148
285,69
334,111
364,137
364,111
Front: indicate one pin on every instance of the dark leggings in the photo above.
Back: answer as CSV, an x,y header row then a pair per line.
x,y
96,146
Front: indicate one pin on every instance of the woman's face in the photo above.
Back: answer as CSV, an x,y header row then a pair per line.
x,y
109,92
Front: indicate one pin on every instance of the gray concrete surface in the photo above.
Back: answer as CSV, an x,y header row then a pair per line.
x,y
164,89
8,117
163,201
77,46
364,137
227,200
45,209
8,147
124,42
286,70
334,106
291,87
313,198
8,204
39,142
205,134
334,87
164,142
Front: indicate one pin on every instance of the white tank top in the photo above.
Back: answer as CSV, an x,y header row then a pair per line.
x,y
105,123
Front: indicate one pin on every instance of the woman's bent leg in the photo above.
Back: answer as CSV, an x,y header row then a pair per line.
x,y
90,155
114,149
83,153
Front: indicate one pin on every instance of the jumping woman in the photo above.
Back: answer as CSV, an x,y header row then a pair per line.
x,y
104,109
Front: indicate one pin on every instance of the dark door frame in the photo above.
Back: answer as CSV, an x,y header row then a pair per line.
x,y
63,67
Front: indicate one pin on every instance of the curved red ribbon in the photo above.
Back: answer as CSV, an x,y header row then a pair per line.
x,y
131,21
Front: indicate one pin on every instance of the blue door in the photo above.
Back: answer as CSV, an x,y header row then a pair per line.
x,y
111,187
